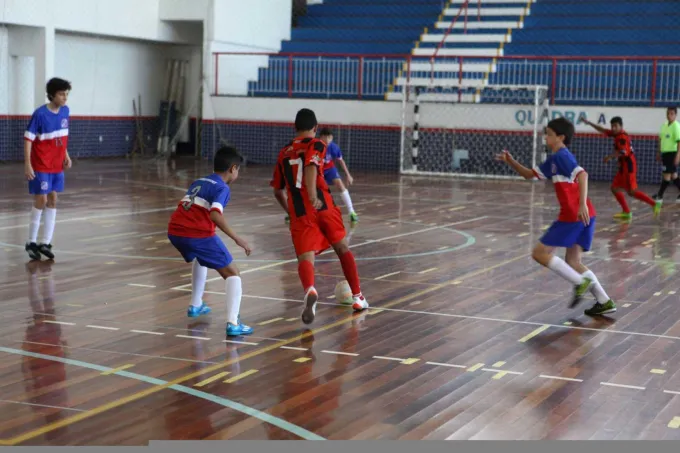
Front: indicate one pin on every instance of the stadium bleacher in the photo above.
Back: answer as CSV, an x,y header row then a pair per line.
x,y
543,29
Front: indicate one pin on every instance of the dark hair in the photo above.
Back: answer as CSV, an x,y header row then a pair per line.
x,y
616,120
673,109
563,126
305,120
56,85
225,158
325,132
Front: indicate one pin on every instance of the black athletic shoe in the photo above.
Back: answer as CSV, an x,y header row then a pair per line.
x,y
46,249
33,251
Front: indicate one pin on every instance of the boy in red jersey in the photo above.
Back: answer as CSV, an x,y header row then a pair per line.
x,y
575,225
315,220
45,158
626,178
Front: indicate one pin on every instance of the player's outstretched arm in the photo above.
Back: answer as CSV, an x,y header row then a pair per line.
x,y
523,171
219,220
597,127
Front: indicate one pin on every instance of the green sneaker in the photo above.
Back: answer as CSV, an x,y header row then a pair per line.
x,y
580,291
601,309
657,208
353,217
624,215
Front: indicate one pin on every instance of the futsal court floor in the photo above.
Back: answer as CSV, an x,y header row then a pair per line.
x,y
466,338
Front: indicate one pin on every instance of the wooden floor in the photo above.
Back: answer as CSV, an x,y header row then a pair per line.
x,y
467,338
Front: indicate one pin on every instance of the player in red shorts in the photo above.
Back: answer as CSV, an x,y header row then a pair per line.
x,y
315,220
626,178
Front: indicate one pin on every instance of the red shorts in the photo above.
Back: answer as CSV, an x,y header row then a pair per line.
x,y
317,233
626,181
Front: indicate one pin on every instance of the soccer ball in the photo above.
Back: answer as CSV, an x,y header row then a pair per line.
x,y
343,293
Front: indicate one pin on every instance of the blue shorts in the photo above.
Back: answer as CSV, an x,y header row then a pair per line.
x,y
331,175
210,252
44,183
568,234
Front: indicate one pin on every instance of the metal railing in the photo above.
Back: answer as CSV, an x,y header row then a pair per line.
x,y
635,81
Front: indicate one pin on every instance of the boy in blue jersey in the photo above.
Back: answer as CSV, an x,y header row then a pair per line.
x,y
45,159
192,232
575,225
330,172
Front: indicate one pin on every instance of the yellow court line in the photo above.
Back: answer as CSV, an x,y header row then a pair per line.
x,y
302,360
211,379
675,423
238,377
657,371
499,375
150,391
264,323
498,364
410,361
115,370
475,367
534,333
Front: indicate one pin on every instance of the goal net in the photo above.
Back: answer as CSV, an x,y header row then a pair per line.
x,y
447,130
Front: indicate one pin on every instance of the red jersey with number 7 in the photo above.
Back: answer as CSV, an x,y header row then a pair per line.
x,y
289,175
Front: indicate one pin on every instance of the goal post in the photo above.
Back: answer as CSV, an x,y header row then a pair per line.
x,y
452,131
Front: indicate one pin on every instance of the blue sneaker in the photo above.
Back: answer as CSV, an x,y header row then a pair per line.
x,y
240,329
195,312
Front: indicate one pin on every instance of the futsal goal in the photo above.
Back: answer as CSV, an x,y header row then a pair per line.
x,y
448,130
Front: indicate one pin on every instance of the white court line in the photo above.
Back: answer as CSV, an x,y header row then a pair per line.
x,y
353,246
477,318
147,332
634,387
388,358
240,342
103,216
497,370
141,286
103,328
671,392
427,271
450,365
293,348
560,378
24,403
193,338
61,323
387,275
351,354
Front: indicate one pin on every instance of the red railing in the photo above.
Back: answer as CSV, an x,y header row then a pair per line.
x,y
571,79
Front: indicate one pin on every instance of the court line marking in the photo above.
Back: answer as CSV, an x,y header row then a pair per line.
x,y
212,379
528,337
270,321
450,365
475,367
634,387
103,327
60,322
353,246
427,271
147,332
159,383
387,275
302,360
560,378
141,286
351,354
492,370
116,370
671,392
240,376
240,342
674,423
193,338
41,405
142,394
293,348
103,216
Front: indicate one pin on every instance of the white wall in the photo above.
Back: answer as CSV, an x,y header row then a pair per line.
x,y
4,70
124,18
108,73
385,113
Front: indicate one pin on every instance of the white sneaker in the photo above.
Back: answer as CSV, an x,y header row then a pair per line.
x,y
309,312
360,303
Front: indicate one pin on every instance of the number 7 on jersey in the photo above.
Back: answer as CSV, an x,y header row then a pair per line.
x,y
297,168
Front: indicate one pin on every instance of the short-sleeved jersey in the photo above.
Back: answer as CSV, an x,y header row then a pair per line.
x,y
289,175
192,216
333,153
562,169
670,136
624,150
48,131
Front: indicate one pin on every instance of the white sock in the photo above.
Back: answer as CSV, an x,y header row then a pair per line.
x,y
234,292
597,289
34,226
48,231
199,275
347,200
561,268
